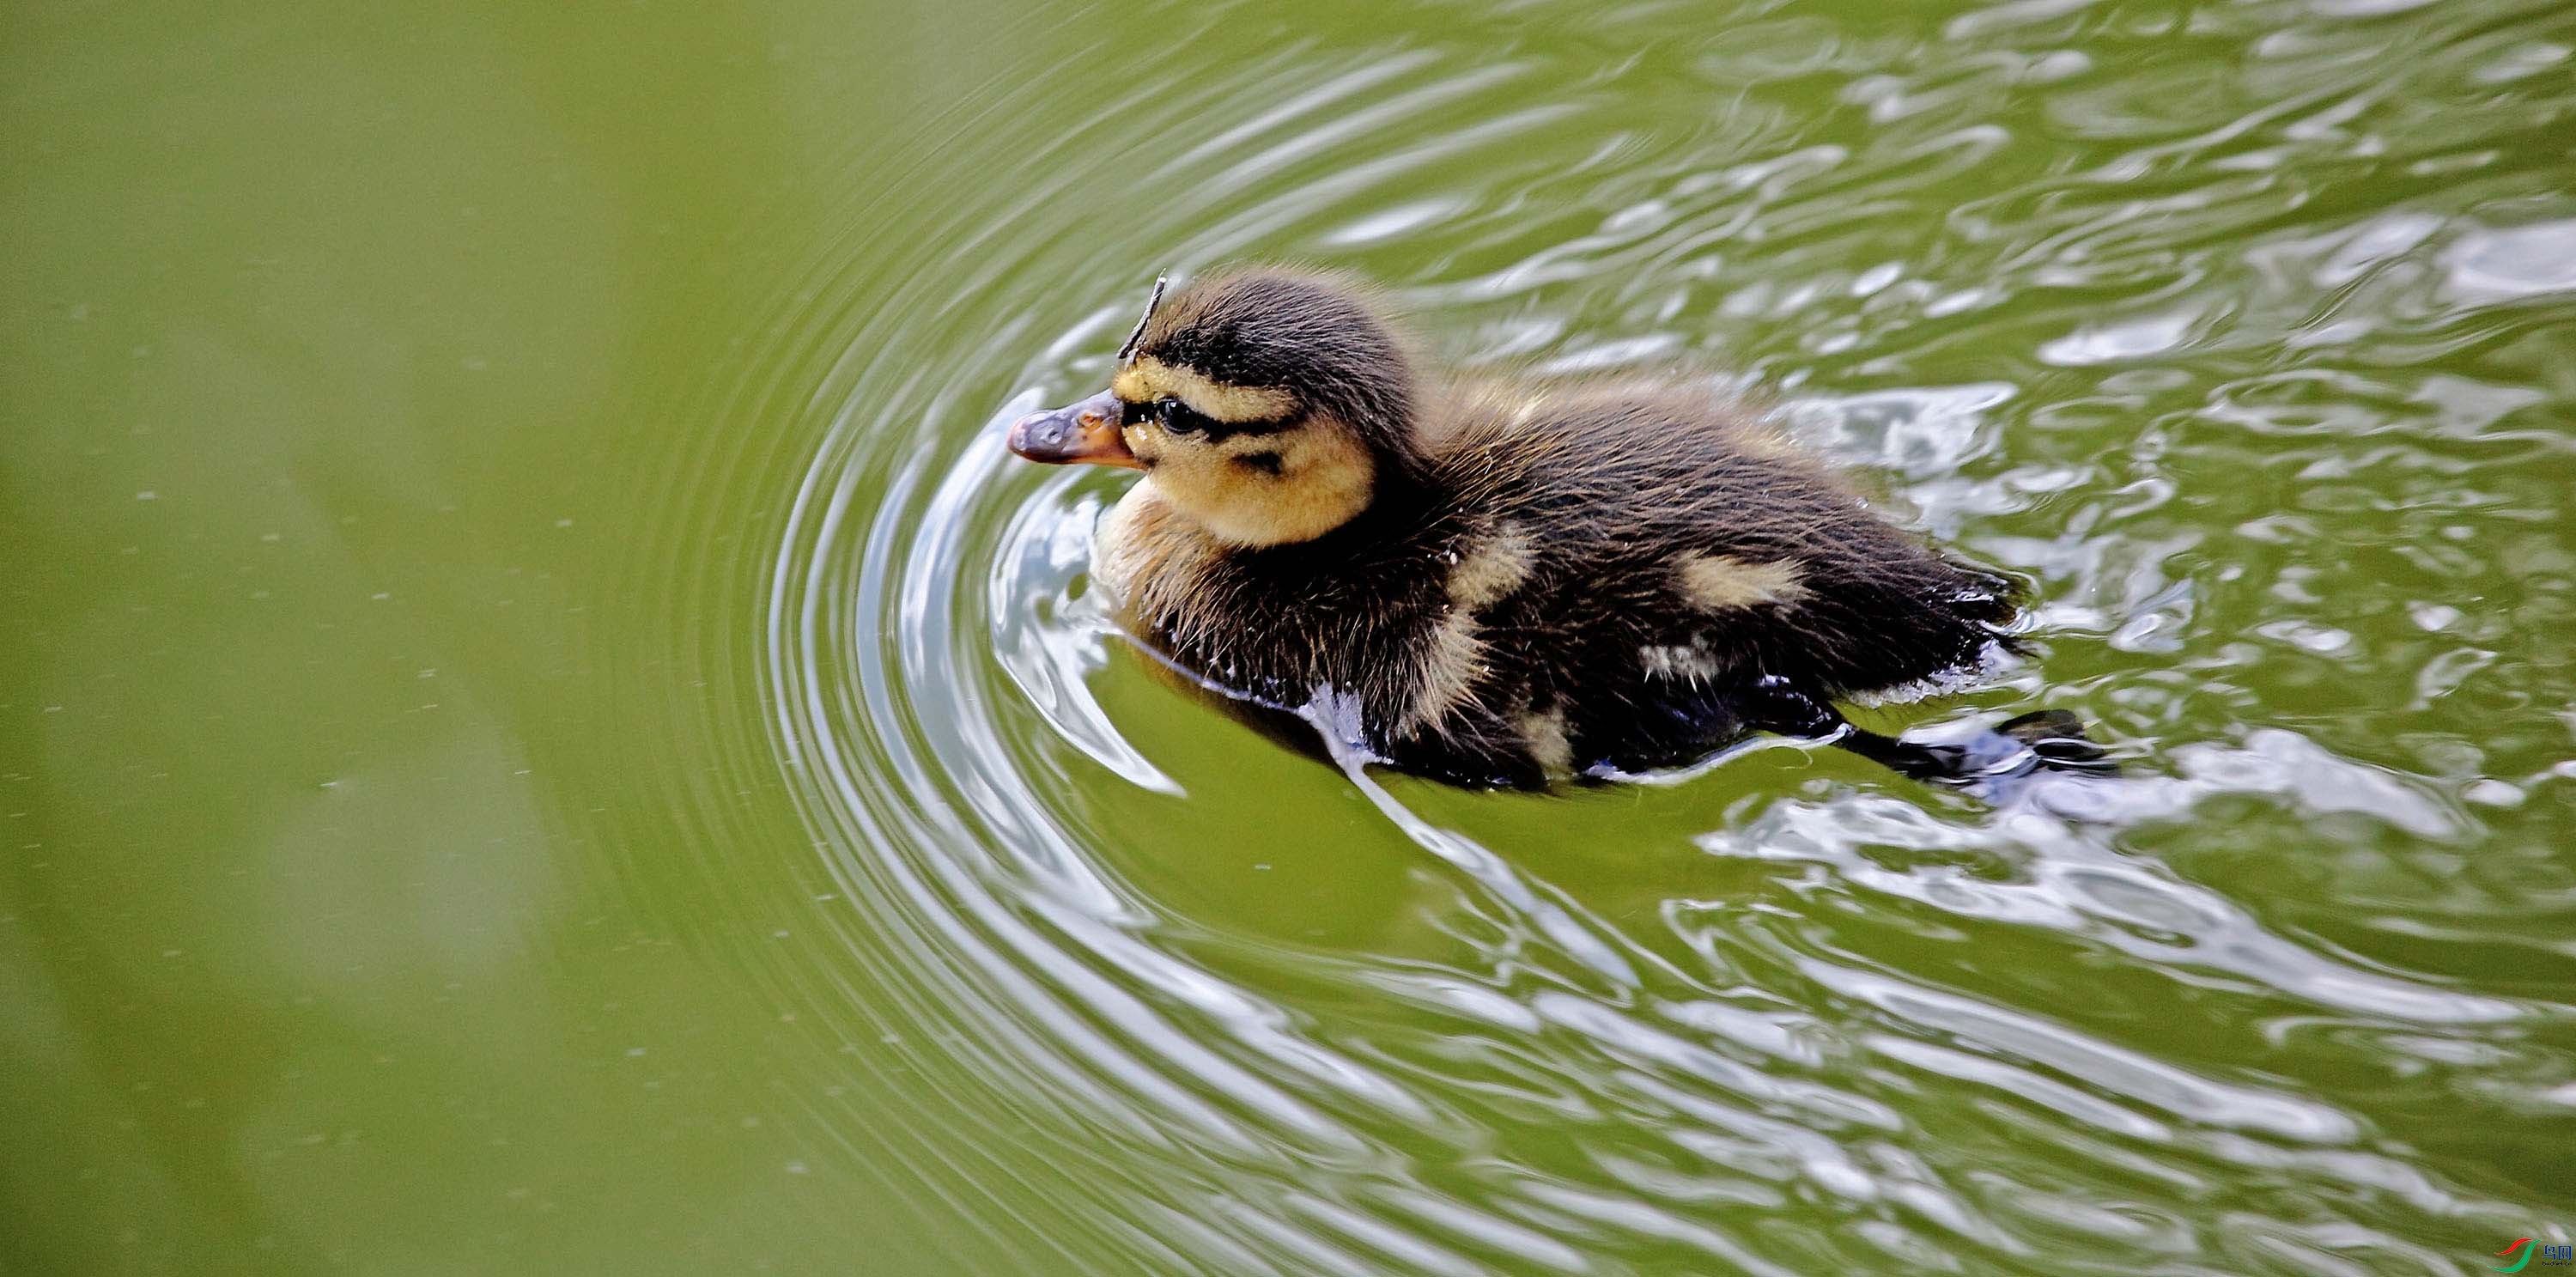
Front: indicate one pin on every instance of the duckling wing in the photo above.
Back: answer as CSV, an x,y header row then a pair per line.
x,y
1686,556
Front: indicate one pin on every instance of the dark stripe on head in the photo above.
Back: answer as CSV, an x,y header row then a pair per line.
x,y
1182,420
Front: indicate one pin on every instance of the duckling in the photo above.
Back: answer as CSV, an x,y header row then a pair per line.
x,y
1507,584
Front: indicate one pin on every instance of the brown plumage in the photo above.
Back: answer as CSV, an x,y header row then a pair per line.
x,y
1509,582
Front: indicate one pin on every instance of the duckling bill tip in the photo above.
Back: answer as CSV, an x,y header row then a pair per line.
x,y
1082,432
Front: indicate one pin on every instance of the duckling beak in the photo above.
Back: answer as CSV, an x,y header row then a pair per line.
x,y
1087,431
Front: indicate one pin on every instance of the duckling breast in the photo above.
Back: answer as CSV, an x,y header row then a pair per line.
x,y
1152,560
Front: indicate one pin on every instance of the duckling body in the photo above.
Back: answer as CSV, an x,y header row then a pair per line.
x,y
1508,585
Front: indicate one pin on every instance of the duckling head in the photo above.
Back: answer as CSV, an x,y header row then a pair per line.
x,y
1268,406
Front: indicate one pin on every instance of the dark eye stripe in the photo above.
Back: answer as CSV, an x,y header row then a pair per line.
x,y
1172,414
1180,418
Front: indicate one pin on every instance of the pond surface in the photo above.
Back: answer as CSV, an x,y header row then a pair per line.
x,y
541,731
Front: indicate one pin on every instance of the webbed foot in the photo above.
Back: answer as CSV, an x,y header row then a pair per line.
x,y
2040,741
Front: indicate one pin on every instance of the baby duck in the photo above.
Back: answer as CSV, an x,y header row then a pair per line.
x,y
1506,586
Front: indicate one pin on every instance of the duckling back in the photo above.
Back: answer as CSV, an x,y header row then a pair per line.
x,y
1644,555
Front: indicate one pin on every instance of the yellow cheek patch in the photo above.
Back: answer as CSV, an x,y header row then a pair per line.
x,y
1324,477
1147,380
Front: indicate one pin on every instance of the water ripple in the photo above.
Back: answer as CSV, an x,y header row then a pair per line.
x,y
2155,333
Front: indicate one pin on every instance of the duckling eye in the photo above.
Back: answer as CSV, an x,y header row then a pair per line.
x,y
1178,417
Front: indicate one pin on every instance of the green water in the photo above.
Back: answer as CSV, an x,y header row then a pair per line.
x,y
540,731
